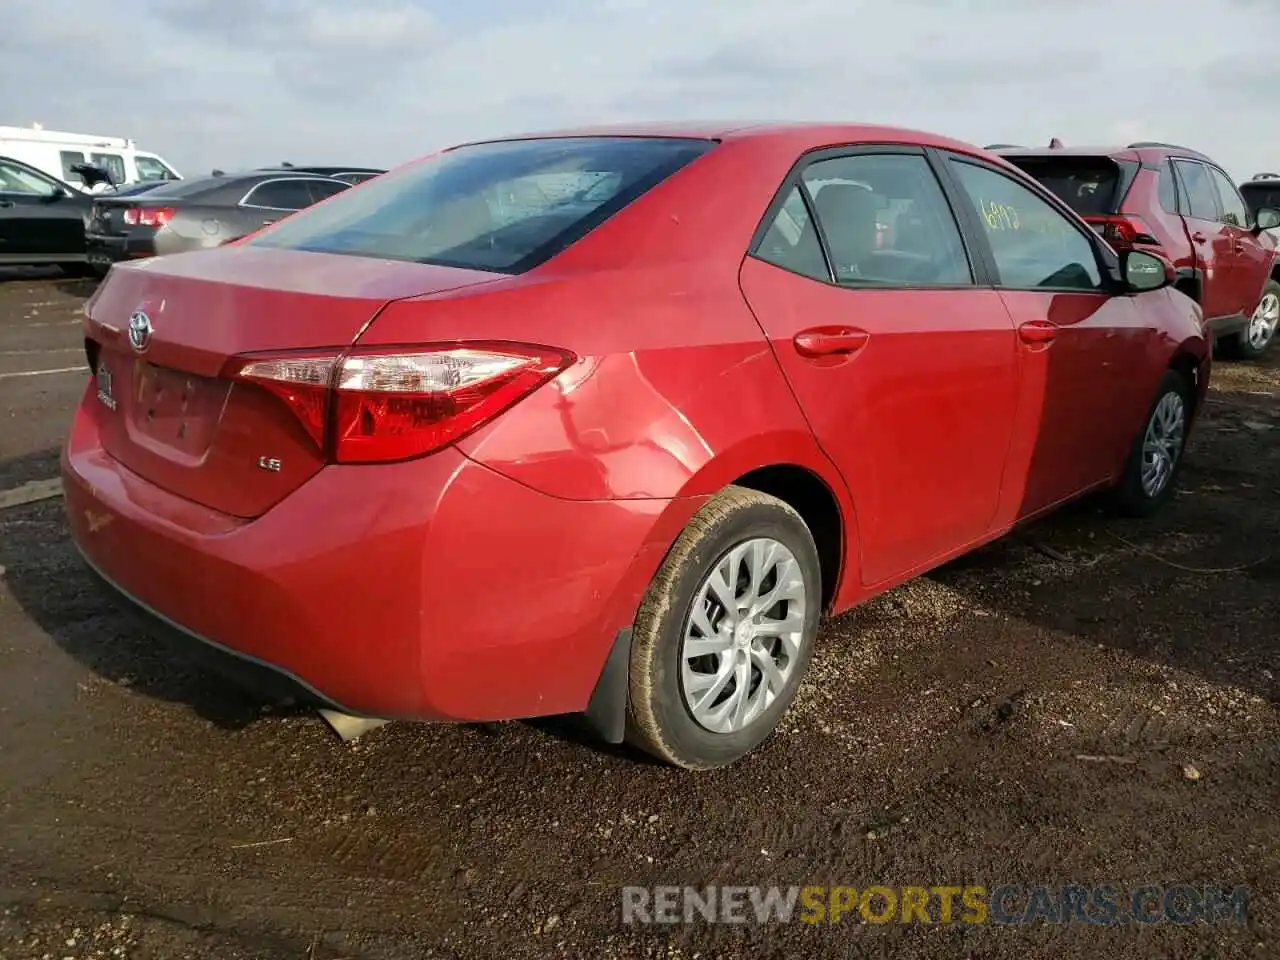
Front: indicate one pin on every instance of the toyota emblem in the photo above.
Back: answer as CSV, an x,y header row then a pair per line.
x,y
140,331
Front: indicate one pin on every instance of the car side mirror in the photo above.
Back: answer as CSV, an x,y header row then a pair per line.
x,y
1268,219
1143,271
54,195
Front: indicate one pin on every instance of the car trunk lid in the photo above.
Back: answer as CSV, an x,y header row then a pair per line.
x,y
162,335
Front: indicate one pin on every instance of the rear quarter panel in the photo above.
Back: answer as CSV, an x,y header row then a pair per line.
x,y
675,392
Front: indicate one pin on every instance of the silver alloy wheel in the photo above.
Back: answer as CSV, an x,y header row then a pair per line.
x,y
1263,324
1162,443
743,636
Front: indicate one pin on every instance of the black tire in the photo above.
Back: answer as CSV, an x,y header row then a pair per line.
x,y
1130,497
658,720
1238,346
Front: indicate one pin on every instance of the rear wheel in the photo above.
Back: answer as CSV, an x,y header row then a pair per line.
x,y
725,633
1155,460
1255,339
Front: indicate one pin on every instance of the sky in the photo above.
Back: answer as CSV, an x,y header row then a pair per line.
x,y
233,83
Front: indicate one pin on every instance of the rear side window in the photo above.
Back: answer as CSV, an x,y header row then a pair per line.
x,y
886,221
69,159
322,190
280,195
113,163
1091,186
1202,199
504,206
791,242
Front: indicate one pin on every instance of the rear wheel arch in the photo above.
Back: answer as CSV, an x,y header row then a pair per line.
x,y
810,496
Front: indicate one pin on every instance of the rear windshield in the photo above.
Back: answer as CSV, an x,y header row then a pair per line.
x,y
1259,195
187,188
1088,185
504,206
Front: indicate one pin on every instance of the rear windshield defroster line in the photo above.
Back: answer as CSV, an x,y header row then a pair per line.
x,y
503,206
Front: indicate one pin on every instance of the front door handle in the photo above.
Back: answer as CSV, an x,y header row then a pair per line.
x,y
7,203
1199,237
829,341
1037,331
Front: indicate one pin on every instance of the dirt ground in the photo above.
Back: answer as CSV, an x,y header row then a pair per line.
x,y
1093,701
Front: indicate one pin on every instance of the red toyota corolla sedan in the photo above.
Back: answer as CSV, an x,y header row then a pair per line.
x,y
603,421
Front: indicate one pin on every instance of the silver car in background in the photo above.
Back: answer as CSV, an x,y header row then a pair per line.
x,y
198,213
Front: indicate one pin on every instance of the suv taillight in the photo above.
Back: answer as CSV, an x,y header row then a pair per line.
x,y
386,404
148,216
1123,230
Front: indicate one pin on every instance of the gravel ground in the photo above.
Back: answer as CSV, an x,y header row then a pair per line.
x,y
1091,701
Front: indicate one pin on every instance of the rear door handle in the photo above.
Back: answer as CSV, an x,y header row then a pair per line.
x,y
1199,237
1037,331
7,203
829,341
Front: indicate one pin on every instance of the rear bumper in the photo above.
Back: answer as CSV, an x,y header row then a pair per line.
x,y
264,679
433,590
105,248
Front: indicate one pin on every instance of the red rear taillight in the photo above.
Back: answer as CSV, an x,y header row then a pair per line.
x,y
396,403
148,216
1123,230
301,381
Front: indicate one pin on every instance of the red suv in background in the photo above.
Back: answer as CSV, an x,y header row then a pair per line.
x,y
1176,201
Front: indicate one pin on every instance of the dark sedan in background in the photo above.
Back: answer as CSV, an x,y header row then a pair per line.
x,y
42,220
199,213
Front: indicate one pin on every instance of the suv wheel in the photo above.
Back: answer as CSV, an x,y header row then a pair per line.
x,y
1252,342
725,632
1156,456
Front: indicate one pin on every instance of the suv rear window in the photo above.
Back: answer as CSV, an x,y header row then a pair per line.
x,y
1258,195
504,206
1091,186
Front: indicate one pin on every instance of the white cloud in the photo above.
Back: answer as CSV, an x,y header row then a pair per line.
x,y
232,82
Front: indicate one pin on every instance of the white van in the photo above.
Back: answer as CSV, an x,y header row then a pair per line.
x,y
57,153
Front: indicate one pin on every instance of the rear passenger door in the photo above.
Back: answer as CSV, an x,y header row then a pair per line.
x,y
1250,261
1210,239
1085,372
902,359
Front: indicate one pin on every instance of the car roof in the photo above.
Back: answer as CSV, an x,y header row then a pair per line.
x,y
807,135
323,171
1149,150
1102,151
